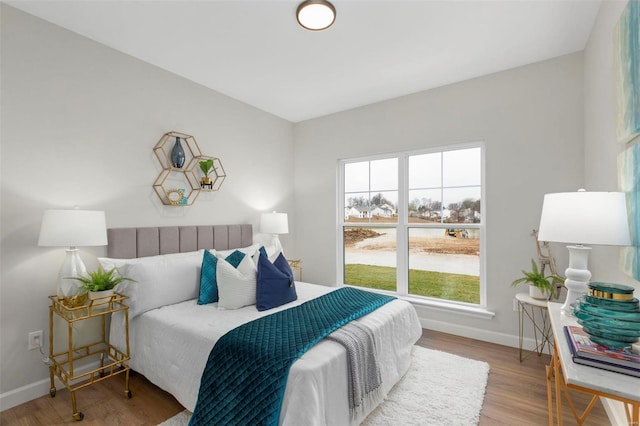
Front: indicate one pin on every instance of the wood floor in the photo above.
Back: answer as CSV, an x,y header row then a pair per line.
x,y
516,393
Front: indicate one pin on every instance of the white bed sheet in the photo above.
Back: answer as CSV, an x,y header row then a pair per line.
x,y
170,347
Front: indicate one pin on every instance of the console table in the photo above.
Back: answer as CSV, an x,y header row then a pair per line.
x,y
564,374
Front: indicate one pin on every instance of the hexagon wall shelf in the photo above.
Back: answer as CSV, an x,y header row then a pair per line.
x,y
180,186
217,175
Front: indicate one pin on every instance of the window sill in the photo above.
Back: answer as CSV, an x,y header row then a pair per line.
x,y
451,307
455,308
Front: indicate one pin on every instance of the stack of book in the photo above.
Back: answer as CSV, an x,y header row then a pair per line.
x,y
584,351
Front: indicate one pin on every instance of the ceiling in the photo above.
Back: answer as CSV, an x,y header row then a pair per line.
x,y
254,51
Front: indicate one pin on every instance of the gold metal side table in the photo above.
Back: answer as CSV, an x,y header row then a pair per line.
x,y
528,306
295,264
111,360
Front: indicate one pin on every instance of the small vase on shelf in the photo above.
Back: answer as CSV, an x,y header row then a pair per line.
x,y
177,154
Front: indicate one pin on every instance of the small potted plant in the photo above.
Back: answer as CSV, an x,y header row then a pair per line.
x,y
100,283
540,286
207,167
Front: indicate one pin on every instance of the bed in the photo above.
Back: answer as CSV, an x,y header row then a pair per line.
x,y
171,335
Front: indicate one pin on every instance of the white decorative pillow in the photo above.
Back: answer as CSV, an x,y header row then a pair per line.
x,y
236,286
159,280
246,250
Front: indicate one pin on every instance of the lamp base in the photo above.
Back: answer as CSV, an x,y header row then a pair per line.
x,y
275,242
577,282
72,267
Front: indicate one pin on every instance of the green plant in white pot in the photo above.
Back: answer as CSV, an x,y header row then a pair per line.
x,y
100,283
540,286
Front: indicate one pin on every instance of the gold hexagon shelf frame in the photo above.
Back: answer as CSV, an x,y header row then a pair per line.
x,y
217,175
165,186
185,193
163,154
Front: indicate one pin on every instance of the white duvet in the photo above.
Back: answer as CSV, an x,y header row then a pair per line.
x,y
170,346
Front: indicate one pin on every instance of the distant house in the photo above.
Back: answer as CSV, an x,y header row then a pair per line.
x,y
362,212
357,212
382,211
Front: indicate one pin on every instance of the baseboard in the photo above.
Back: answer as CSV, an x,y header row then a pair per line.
x,y
35,390
478,334
24,394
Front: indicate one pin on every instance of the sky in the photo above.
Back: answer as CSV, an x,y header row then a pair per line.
x,y
455,175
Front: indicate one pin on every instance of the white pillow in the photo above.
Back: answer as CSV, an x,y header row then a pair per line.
x,y
159,280
246,250
236,286
109,263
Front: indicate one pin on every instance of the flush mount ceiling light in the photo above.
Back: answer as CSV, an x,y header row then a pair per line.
x,y
316,15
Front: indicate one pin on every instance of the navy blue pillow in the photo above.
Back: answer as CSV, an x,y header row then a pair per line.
x,y
208,283
275,285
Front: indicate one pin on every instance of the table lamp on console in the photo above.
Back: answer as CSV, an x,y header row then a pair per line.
x,y
579,218
72,229
274,224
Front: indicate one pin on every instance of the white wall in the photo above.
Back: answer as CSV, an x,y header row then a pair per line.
x,y
79,122
601,146
531,121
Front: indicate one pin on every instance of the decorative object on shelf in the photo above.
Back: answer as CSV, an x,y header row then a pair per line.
x,y
213,171
627,64
72,228
184,177
100,283
316,15
174,196
610,315
207,167
548,259
539,285
177,154
275,224
582,217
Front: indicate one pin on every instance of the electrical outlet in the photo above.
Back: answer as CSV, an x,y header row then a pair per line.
x,y
35,339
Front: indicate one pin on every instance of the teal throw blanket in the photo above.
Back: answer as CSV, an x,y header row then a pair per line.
x,y
245,377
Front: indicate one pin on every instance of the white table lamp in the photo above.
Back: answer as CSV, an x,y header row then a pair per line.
x,y
72,228
275,224
596,218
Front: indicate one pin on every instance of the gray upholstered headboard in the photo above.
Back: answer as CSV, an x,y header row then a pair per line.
x,y
127,243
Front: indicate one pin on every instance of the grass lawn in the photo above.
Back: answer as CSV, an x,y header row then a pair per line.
x,y
461,288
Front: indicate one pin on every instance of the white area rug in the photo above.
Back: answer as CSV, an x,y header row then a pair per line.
x,y
440,389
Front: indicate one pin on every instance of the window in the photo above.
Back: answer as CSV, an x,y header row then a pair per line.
x,y
413,223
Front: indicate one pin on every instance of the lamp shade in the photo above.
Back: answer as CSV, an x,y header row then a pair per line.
x,y
73,228
274,223
582,217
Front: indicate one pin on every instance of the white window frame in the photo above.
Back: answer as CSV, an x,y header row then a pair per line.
x,y
402,229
